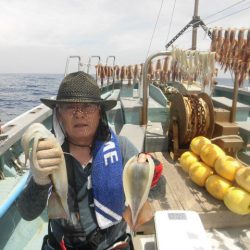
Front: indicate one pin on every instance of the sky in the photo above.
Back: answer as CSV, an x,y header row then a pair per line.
x,y
37,36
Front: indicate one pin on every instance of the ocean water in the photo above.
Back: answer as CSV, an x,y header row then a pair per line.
x,y
21,92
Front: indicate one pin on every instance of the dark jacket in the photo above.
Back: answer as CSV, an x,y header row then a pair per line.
x,y
33,200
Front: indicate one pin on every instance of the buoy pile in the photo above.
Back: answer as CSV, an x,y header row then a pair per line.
x,y
224,177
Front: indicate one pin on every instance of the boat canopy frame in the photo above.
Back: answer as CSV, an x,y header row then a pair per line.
x,y
145,85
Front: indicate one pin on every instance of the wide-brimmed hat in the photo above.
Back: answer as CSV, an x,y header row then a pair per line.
x,y
79,87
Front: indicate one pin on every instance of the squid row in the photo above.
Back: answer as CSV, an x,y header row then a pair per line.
x,y
232,48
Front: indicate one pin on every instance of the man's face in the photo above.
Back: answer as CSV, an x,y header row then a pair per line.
x,y
80,120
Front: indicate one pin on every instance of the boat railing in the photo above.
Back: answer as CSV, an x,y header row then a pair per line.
x,y
14,194
14,129
89,64
79,64
10,149
145,85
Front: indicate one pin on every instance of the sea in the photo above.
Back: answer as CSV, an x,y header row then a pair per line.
x,y
21,92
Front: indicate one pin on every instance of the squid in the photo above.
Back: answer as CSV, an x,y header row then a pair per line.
x,y
136,73
130,74
219,44
158,69
117,72
137,178
232,42
150,70
123,73
57,203
225,48
102,74
214,39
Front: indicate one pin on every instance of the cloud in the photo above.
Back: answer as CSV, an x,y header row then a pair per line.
x,y
37,36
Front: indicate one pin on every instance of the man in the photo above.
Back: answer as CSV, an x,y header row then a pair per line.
x,y
94,158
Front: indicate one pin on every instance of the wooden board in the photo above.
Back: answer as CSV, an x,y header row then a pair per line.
x,y
225,128
221,115
176,191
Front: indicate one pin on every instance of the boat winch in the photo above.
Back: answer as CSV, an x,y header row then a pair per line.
x,y
190,116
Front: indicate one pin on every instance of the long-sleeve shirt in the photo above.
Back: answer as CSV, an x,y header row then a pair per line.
x,y
34,198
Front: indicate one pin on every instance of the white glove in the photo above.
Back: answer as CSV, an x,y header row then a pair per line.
x,y
49,156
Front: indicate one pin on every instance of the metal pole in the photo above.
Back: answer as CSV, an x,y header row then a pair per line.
x,y
235,97
194,33
144,117
89,64
68,62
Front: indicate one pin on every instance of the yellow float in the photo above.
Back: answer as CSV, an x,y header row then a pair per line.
x,y
187,159
210,153
199,172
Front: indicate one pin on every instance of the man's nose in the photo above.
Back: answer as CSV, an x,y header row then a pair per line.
x,y
80,110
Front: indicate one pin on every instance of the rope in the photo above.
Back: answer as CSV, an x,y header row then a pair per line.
x,y
238,159
229,15
236,12
197,114
170,25
229,7
225,137
154,28
233,137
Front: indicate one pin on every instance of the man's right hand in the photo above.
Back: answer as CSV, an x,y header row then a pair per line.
x,y
49,156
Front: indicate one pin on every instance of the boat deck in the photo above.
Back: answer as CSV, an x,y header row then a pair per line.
x,y
176,191
226,103
9,183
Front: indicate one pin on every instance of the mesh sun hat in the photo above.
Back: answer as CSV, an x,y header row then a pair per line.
x,y
79,87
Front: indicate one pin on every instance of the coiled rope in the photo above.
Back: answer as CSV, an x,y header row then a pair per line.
x,y
197,116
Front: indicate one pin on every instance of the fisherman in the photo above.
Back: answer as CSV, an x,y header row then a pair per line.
x,y
94,158
81,127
